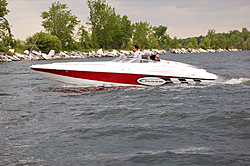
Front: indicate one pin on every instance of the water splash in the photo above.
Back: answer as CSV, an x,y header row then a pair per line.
x,y
230,80
237,81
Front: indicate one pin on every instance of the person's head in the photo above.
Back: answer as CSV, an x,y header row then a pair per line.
x,y
136,47
157,57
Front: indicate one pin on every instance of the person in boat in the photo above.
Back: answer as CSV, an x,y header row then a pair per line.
x,y
137,53
154,57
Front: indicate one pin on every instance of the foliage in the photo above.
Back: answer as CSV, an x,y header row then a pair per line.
x,y
4,24
160,34
60,22
127,30
174,42
141,32
5,28
84,38
45,42
108,29
101,19
233,39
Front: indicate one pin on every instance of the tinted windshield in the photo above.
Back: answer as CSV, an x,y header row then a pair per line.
x,y
125,59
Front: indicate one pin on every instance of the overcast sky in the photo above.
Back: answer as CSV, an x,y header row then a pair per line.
x,y
184,18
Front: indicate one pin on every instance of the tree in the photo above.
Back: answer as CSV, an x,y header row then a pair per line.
x,y
108,29
118,34
45,42
194,42
174,42
207,42
160,34
127,30
5,31
60,22
211,36
102,18
84,37
141,32
152,42
245,34
167,42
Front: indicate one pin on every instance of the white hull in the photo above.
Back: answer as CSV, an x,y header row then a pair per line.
x,y
126,72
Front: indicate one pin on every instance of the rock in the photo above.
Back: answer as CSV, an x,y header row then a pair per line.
x,y
12,50
57,56
64,55
16,58
127,53
202,50
184,51
234,49
51,53
210,50
3,58
220,50
26,52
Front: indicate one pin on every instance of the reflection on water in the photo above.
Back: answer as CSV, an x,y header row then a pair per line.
x,y
82,90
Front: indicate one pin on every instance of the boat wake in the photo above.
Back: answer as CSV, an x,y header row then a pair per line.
x,y
224,80
69,89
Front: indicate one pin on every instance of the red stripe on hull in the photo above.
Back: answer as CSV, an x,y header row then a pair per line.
x,y
122,78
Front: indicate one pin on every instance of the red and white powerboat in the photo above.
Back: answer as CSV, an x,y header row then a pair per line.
x,y
124,71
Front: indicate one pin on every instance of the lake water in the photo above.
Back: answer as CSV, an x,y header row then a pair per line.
x,y
43,123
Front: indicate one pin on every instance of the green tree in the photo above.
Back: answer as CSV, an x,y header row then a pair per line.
x,y
160,34
127,30
103,20
45,42
152,42
207,42
108,29
5,28
245,34
60,22
211,36
4,25
141,32
190,45
174,42
84,37
167,42
118,34
194,42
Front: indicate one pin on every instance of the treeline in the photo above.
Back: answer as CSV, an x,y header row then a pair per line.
x,y
108,30
233,39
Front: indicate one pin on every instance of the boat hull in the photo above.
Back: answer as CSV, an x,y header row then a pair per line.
x,y
90,78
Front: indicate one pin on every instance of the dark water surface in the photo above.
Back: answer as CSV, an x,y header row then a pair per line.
x,y
43,123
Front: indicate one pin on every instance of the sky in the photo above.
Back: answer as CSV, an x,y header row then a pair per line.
x,y
184,18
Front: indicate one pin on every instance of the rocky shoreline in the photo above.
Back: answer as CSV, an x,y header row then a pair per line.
x,y
35,55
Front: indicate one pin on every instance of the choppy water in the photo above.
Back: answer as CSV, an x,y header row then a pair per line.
x,y
43,123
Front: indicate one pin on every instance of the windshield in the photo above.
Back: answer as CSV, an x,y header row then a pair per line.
x,y
123,59
127,59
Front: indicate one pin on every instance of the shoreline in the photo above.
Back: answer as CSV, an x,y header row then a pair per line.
x,y
35,55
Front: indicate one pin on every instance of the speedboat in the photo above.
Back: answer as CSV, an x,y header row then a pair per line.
x,y
124,71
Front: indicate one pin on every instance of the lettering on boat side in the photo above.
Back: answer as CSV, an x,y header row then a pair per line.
x,y
153,81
